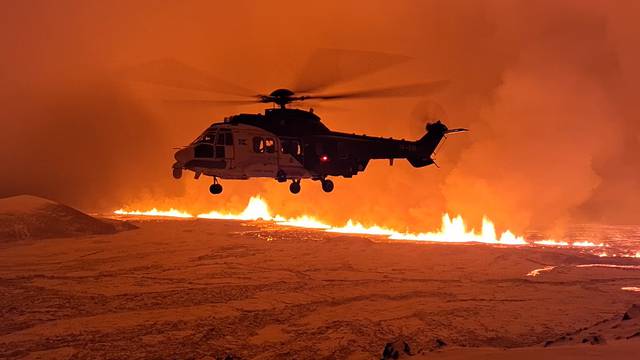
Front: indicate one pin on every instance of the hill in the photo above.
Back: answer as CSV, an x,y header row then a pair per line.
x,y
30,217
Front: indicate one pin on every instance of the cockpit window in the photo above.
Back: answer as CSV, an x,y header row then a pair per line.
x,y
224,137
206,138
203,151
220,153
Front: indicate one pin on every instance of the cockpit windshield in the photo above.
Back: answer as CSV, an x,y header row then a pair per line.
x,y
207,137
218,136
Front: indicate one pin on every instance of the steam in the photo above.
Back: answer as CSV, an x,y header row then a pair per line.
x,y
557,118
549,91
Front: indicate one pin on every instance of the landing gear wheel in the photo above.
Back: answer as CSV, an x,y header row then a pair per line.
x,y
215,189
177,173
327,185
295,187
281,176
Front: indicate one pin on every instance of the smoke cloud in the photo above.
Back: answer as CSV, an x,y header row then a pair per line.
x,y
548,89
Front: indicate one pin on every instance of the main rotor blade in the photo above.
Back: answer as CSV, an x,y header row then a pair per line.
x,y
417,89
315,106
170,72
328,67
429,111
211,102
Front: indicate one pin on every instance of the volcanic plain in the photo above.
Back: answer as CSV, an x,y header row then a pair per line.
x,y
212,289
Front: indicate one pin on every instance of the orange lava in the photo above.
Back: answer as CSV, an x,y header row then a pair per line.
x,y
155,212
452,230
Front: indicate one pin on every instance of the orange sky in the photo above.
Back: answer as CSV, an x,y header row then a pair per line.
x,y
548,88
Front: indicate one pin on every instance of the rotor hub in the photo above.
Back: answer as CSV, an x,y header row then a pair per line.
x,y
281,97
282,93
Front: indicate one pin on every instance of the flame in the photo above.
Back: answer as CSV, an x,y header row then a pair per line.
x,y
255,210
155,212
452,230
258,209
552,243
304,221
356,228
586,244
564,243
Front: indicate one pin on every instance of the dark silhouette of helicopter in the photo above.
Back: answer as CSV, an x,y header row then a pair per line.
x,y
287,143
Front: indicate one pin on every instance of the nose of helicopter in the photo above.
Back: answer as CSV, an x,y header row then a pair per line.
x,y
184,155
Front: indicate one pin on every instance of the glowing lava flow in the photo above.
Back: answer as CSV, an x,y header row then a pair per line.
x,y
256,209
564,243
536,272
155,212
452,230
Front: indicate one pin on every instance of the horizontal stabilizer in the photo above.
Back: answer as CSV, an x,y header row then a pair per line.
x,y
451,131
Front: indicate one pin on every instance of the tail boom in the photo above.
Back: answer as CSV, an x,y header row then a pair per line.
x,y
428,144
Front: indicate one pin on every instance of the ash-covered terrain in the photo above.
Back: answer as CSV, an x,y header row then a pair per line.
x,y
27,217
210,289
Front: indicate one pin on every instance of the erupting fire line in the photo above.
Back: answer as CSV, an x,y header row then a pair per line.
x,y
631,288
452,230
564,243
155,212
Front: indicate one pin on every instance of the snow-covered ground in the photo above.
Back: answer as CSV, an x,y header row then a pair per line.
x,y
205,288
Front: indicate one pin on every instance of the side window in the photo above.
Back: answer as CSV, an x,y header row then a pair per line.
x,y
264,145
228,139
269,145
258,144
291,147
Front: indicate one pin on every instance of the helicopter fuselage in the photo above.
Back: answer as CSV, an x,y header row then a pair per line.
x,y
293,144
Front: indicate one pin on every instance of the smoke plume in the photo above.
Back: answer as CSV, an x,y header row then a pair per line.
x,y
548,89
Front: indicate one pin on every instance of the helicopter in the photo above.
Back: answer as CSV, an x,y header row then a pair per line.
x,y
285,143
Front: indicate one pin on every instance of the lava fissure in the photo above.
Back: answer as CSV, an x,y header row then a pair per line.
x,y
452,230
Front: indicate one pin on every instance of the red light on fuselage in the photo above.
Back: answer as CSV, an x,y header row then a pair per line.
x,y
324,158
